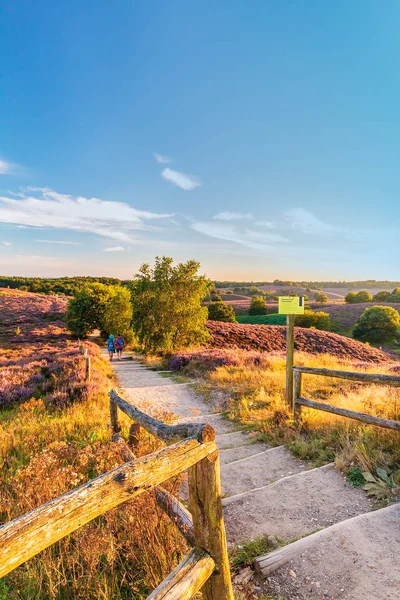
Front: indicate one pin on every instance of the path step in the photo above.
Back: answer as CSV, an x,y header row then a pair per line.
x,y
259,470
231,455
294,506
355,559
234,439
220,424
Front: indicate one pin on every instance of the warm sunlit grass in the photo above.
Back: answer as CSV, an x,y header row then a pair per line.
x,y
254,384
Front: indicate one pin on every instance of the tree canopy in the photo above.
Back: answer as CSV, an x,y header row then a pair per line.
x,y
219,311
167,305
377,324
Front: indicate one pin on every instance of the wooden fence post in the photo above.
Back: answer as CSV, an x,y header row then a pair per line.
x,y
289,359
115,428
88,368
298,384
134,434
208,524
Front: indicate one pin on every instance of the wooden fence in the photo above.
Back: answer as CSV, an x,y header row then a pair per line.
x,y
299,401
193,447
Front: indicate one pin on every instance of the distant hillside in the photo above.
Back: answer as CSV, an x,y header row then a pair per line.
x,y
272,338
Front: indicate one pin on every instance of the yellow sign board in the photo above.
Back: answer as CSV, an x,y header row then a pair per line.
x,y
291,305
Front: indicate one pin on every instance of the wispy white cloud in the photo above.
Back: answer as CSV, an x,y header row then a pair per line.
x,y
306,222
233,216
266,224
43,207
6,243
247,237
161,158
59,242
6,168
114,249
185,182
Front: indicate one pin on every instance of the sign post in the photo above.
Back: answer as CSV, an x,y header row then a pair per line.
x,y
290,306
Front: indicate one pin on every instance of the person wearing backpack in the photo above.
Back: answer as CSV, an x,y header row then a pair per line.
x,y
111,346
119,345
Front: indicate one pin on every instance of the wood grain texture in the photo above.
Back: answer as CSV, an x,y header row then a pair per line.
x,y
350,414
391,380
176,512
27,535
188,577
208,524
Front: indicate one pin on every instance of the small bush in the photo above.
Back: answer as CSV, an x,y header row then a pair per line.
x,y
258,306
381,296
216,298
394,296
219,311
377,324
321,298
350,298
319,320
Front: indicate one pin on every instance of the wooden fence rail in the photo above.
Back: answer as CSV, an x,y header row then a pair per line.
x,y
206,566
299,401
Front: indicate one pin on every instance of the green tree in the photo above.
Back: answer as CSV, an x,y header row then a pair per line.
x,y
216,298
167,305
321,298
350,298
381,296
363,296
99,306
377,324
319,320
219,311
394,296
258,306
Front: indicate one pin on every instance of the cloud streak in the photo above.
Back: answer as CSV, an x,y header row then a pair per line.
x,y
6,168
43,207
232,216
114,249
59,242
306,222
244,237
181,180
161,158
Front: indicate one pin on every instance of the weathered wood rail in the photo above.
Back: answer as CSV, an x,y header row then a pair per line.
x,y
299,401
206,567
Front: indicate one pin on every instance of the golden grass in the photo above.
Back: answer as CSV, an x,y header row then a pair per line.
x,y
256,395
47,451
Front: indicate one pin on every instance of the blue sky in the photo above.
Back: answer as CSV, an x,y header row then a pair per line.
x,y
261,138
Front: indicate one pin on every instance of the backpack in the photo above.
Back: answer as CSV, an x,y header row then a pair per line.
x,y
119,343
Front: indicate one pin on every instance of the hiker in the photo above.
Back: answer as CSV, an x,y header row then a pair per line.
x,y
111,346
119,345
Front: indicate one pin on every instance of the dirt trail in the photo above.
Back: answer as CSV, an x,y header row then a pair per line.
x,y
266,491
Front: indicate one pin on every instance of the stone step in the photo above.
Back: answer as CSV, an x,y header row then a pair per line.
x,y
231,455
294,506
352,560
259,470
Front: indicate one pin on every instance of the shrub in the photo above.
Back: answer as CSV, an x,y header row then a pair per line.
x,y
167,305
216,298
377,324
258,306
363,296
350,298
381,296
319,320
219,311
229,292
394,296
321,298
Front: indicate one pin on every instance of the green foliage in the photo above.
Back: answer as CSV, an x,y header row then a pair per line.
x,y
363,296
381,296
377,324
167,305
394,296
274,319
63,285
384,485
319,320
100,306
216,298
258,306
219,311
350,298
321,298
229,292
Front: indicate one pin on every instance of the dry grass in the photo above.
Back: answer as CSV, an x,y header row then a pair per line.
x,y
48,448
254,384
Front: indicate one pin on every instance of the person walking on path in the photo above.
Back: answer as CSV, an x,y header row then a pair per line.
x,y
111,346
119,345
